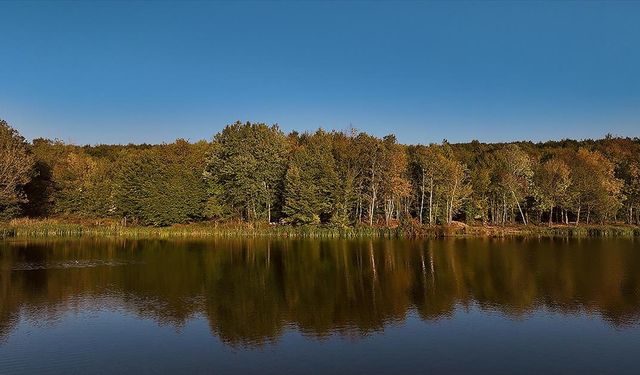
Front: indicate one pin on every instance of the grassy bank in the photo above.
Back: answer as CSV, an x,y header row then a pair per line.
x,y
25,228
609,230
57,228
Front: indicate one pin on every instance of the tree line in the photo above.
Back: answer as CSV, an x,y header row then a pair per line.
x,y
254,172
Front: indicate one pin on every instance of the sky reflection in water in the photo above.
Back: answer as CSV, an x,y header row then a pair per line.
x,y
268,306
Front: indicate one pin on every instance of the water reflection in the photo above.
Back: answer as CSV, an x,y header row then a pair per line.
x,y
251,290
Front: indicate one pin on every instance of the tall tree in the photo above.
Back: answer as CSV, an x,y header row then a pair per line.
x,y
427,162
246,167
41,189
350,188
311,183
395,186
300,199
594,185
454,187
82,186
551,180
370,151
514,170
16,170
631,191
162,185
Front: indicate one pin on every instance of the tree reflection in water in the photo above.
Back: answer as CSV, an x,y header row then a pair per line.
x,y
251,290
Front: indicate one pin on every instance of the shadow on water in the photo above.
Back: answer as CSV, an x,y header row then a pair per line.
x,y
251,290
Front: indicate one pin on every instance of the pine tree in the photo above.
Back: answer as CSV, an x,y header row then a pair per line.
x,y
299,199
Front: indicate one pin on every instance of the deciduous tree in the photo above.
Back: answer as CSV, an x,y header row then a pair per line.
x,y
16,170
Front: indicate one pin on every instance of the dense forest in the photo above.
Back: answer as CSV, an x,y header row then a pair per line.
x,y
254,172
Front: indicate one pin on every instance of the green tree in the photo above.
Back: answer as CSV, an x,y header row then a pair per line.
x,y
82,186
162,185
41,189
245,169
311,183
350,188
371,153
299,199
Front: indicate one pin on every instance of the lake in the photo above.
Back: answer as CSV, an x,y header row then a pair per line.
x,y
271,306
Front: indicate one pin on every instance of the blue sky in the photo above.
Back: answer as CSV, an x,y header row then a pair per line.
x,y
119,72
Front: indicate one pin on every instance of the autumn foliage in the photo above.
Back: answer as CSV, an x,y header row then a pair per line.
x,y
257,173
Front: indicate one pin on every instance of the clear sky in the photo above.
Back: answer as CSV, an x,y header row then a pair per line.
x,y
119,72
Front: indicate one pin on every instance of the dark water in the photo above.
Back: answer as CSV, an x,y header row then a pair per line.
x,y
277,306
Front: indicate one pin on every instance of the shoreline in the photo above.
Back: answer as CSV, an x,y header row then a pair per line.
x,y
61,228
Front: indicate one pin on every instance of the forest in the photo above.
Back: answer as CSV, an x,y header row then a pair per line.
x,y
256,173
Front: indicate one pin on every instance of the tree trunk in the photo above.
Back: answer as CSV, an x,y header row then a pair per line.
x,y
255,212
551,215
435,213
431,202
264,183
453,197
388,211
578,215
494,212
524,219
372,207
373,193
422,197
504,209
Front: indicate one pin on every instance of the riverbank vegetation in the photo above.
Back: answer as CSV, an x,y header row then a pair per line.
x,y
29,228
254,178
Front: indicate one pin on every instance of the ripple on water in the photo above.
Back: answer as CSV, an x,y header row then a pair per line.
x,y
31,266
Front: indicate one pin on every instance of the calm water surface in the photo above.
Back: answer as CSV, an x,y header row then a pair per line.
x,y
309,306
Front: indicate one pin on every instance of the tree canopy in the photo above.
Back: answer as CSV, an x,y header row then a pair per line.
x,y
16,169
254,172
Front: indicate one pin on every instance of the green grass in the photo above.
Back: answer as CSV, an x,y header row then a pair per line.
x,y
25,228
55,228
558,231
